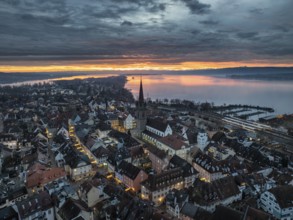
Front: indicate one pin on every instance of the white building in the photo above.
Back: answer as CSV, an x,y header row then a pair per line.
x,y
173,145
92,193
59,159
158,127
77,165
64,132
202,140
278,202
155,129
8,140
79,170
129,122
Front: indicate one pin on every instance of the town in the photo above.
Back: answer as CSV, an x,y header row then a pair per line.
x,y
88,150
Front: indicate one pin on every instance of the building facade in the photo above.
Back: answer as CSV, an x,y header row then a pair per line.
x,y
156,187
278,202
202,140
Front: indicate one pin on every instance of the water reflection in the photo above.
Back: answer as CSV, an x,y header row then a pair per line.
x,y
220,90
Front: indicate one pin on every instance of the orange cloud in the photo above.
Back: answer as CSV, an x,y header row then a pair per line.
x,y
139,65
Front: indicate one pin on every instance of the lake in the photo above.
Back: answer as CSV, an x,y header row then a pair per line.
x,y
217,89
201,88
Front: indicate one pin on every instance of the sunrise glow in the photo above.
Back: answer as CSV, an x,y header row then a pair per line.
x,y
143,66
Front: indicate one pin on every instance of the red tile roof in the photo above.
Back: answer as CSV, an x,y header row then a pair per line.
x,y
173,141
39,174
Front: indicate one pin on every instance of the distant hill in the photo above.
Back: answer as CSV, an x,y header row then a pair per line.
x,y
244,70
260,73
225,71
6,78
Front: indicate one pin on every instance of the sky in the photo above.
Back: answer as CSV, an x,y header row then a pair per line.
x,y
79,35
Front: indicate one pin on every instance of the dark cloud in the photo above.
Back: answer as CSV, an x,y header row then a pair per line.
x,y
148,5
256,11
209,22
197,7
283,28
162,30
247,35
126,23
11,2
195,32
157,7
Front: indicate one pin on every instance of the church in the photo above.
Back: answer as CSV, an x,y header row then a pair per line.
x,y
140,113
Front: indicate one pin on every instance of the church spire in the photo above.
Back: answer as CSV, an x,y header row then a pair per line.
x,y
140,113
140,98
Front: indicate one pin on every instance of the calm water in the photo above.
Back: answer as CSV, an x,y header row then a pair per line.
x,y
220,90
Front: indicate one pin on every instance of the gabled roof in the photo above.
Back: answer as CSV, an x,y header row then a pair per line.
x,y
126,139
157,123
71,209
210,164
128,170
177,197
191,135
173,141
8,213
157,152
223,212
88,185
284,196
177,161
41,201
102,126
219,136
73,157
256,214
39,174
17,193
136,152
189,210
205,193
101,152
164,179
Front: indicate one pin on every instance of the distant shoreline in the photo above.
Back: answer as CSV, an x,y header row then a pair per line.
x,y
270,77
246,73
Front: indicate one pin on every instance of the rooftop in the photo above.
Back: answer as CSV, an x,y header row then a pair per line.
x,y
174,141
284,195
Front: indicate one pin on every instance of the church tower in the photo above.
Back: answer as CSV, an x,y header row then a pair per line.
x,y
140,113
